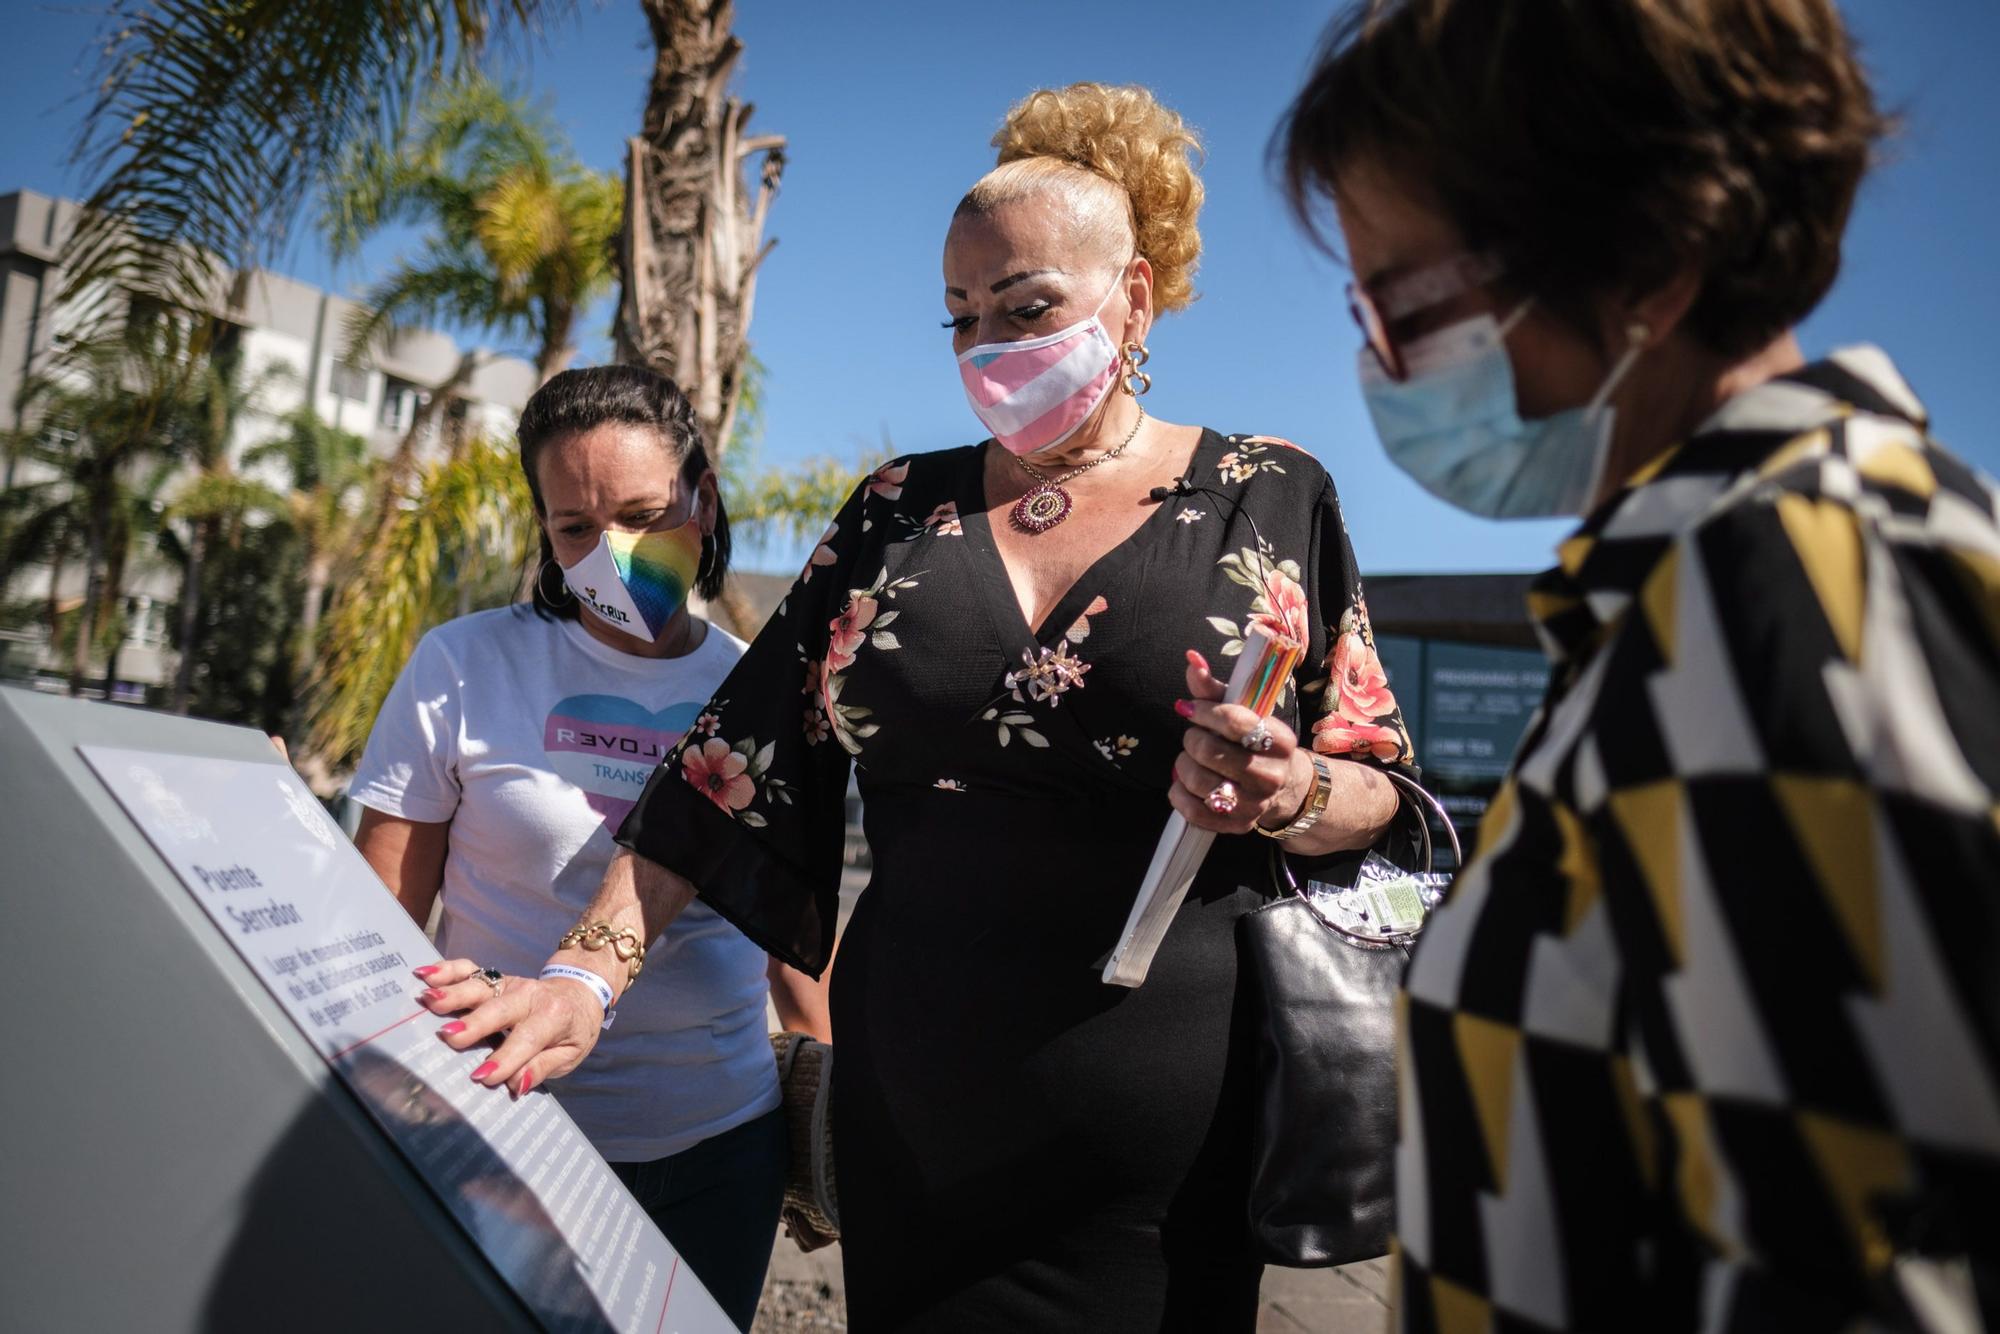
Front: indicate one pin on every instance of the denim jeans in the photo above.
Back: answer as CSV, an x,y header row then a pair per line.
x,y
718,1204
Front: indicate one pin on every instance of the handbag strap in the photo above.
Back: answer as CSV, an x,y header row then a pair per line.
x,y
1425,803
1410,787
1281,866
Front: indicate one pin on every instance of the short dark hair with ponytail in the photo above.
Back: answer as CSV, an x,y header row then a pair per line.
x,y
582,400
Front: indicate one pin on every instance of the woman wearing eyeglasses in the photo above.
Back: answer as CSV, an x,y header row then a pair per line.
x,y
1706,1036
1012,643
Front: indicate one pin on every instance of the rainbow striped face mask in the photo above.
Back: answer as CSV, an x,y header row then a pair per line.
x,y
1035,393
635,582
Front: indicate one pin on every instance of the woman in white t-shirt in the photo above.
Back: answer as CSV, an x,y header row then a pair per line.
x,y
509,751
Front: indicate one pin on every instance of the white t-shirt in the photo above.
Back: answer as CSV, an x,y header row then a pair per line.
x,y
534,739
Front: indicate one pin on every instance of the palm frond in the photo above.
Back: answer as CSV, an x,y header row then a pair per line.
x,y
459,514
40,521
440,286
224,496
793,504
214,119
520,234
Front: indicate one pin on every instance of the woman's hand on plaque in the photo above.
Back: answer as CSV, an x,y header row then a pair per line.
x,y
1235,770
549,1027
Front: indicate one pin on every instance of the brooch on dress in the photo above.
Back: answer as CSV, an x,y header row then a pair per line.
x,y
1048,674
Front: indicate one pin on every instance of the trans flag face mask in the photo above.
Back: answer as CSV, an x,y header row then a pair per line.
x,y
635,582
1034,394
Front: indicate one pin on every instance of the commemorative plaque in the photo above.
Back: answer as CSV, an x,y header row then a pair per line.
x,y
488,1209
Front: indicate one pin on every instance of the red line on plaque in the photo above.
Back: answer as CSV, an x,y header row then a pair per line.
x,y
372,1036
672,1274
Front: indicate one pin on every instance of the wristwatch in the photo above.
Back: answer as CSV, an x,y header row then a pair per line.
x,y
1315,804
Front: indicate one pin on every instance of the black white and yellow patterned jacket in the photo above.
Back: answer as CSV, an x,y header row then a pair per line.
x,y
1708,1035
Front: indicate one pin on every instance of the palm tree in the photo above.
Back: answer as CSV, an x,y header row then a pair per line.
x,y
456,511
213,493
134,536
329,474
520,244
694,234
520,241
215,119
111,433
521,233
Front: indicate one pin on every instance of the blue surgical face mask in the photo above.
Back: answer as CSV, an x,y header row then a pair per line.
x,y
1453,426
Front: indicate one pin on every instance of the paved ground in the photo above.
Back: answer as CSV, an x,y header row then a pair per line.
x,y
804,1296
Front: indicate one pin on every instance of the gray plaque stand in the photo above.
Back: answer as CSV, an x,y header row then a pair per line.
x,y
182,1159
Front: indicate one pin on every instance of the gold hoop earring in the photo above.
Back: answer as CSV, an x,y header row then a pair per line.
x,y
1135,355
541,582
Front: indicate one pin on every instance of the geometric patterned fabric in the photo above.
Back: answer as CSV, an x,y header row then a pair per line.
x,y
1706,1035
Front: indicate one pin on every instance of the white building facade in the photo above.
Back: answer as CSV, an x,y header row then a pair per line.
x,y
276,322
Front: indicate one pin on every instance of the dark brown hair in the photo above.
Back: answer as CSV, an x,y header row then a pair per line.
x,y
1602,146
581,400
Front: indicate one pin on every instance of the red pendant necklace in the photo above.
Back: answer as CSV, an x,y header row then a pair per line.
x,y
1047,504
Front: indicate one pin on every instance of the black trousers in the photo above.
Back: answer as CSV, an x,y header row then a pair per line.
x,y
718,1204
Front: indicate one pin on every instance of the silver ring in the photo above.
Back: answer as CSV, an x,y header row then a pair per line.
x,y
491,977
1223,799
1259,739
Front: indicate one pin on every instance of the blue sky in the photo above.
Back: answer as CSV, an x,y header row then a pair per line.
x,y
889,106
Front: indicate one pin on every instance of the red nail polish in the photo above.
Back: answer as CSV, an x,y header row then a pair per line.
x,y
427,969
527,1082
1184,707
455,1026
482,1072
431,995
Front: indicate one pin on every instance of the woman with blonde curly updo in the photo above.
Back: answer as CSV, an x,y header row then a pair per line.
x,y
1013,641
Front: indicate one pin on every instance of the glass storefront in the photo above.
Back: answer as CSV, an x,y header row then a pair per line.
x,y
1467,706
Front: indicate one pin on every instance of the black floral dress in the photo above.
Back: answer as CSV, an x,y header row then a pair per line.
x,y
1020,1146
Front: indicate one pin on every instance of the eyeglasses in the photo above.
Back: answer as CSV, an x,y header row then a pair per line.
x,y
1395,301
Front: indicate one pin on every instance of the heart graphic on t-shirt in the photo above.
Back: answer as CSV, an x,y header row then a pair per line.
x,y
609,747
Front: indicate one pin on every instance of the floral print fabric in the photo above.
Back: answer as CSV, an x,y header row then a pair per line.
x,y
1013,782
901,648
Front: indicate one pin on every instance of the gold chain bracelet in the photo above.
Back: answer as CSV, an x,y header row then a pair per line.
x,y
622,941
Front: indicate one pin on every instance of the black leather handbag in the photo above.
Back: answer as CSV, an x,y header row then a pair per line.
x,y
1322,1007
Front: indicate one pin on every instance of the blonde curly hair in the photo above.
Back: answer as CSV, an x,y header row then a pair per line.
x,y
1124,162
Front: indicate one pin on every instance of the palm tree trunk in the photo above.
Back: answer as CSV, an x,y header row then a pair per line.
x,y
319,573
692,241
112,613
556,351
55,600
198,541
93,583
111,661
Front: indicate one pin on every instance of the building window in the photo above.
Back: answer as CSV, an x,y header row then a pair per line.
x,y
144,626
399,404
58,440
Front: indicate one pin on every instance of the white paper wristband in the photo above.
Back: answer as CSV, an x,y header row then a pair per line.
x,y
597,985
